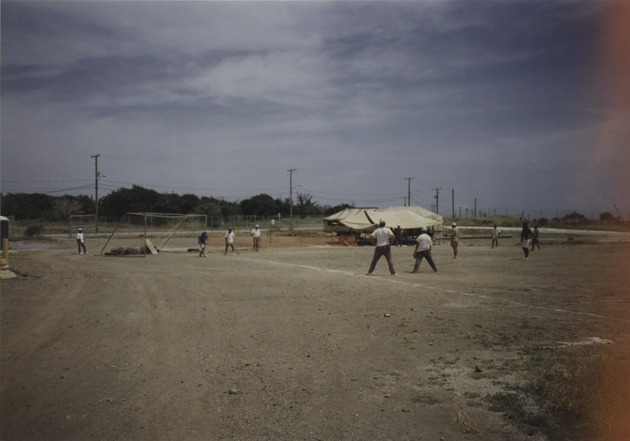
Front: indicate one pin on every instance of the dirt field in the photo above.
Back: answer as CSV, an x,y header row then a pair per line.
x,y
295,342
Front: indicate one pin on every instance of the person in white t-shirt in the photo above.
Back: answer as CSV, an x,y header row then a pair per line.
x,y
496,232
383,236
423,250
256,236
81,242
229,240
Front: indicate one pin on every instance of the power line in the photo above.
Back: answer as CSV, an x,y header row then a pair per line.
x,y
43,191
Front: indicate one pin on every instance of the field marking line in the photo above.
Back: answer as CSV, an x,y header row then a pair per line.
x,y
295,265
391,279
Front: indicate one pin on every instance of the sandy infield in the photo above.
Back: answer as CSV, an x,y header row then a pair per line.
x,y
294,342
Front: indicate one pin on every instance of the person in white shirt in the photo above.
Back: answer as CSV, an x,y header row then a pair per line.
x,y
423,250
81,242
256,236
496,232
383,236
229,240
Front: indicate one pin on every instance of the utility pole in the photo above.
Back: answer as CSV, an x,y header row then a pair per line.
x,y
291,170
409,191
96,188
453,202
437,200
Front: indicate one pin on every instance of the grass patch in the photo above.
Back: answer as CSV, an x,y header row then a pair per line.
x,y
577,395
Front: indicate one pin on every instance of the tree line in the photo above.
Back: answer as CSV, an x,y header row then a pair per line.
x,y
140,199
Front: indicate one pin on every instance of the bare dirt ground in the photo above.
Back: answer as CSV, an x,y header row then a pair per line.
x,y
295,342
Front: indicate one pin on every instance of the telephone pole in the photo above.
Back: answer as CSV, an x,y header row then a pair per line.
x,y
409,191
291,170
437,200
96,188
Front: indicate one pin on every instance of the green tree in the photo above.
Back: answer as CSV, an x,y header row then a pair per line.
x,y
328,210
188,203
211,208
126,200
260,205
65,206
608,218
306,206
29,206
167,203
575,219
229,208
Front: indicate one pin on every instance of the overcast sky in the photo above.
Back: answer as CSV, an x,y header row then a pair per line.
x,y
521,105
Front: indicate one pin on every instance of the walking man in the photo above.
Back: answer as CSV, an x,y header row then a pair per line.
x,y
256,237
423,250
81,242
202,240
535,242
383,236
454,239
496,232
229,241
526,235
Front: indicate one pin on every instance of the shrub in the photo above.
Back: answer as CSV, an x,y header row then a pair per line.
x,y
34,230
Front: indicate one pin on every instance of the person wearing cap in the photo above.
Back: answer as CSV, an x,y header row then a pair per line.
x,y
256,236
423,250
81,242
454,239
383,236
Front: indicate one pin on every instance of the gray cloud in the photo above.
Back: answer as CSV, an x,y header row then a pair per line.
x,y
497,100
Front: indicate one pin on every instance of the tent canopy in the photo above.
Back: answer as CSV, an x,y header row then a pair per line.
x,y
367,219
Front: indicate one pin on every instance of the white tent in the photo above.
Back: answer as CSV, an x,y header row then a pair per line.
x,y
367,219
348,219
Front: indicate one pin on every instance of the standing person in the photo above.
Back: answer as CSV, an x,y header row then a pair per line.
x,y
526,234
256,236
496,232
454,239
398,233
81,242
423,250
383,236
202,240
229,241
535,242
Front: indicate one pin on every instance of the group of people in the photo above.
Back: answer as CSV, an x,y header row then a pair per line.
x,y
422,251
529,238
383,237
202,241
230,236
